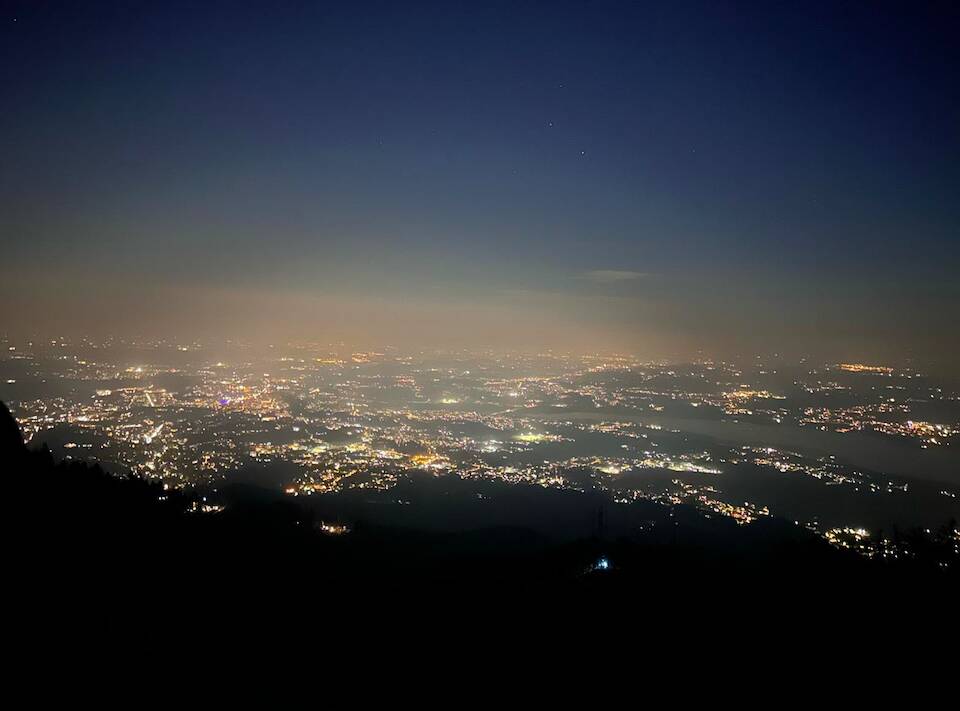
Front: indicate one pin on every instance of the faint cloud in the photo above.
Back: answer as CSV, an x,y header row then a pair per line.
x,y
612,276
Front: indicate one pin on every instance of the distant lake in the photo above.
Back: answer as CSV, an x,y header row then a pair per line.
x,y
859,450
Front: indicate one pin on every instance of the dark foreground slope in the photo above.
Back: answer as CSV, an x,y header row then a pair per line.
x,y
85,545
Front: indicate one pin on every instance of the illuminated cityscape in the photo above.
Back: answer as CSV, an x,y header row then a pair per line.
x,y
707,435
323,314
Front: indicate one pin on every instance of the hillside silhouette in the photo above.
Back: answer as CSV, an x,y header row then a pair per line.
x,y
105,546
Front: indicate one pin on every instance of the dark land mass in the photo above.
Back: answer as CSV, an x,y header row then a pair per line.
x,y
96,549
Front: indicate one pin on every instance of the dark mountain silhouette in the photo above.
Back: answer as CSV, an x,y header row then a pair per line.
x,y
11,439
102,549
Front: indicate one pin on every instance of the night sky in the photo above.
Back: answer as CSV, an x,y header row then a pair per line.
x,y
662,178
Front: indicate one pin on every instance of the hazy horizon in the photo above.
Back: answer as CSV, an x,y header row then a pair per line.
x,y
664,181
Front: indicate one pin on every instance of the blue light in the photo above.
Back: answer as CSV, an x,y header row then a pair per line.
x,y
603,564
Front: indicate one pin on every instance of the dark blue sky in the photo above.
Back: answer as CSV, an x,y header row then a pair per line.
x,y
655,176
